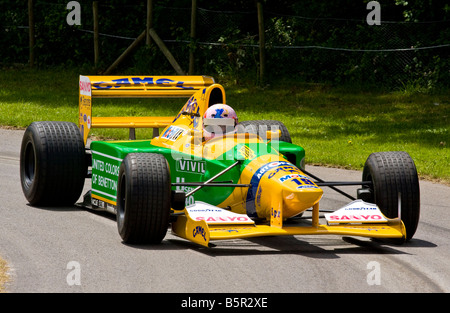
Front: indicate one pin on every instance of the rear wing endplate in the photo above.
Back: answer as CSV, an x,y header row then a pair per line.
x,y
132,87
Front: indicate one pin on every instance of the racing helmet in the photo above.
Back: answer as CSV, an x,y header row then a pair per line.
x,y
218,120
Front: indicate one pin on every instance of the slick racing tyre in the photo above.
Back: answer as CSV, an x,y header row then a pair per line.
x,y
260,127
392,173
52,163
143,198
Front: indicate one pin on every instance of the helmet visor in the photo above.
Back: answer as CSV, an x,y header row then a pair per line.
x,y
218,126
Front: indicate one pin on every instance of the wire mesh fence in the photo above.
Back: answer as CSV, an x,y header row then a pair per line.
x,y
227,44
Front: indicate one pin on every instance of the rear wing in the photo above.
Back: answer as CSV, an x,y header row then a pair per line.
x,y
133,87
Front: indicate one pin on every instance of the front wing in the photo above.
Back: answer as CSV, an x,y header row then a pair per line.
x,y
217,224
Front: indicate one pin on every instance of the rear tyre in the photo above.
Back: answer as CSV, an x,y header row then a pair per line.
x,y
392,173
260,127
143,198
52,163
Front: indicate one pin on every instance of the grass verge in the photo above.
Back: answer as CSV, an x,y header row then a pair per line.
x,y
4,277
337,126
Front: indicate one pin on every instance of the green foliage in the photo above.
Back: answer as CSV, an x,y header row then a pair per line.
x,y
227,39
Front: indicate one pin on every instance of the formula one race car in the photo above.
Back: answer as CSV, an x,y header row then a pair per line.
x,y
242,183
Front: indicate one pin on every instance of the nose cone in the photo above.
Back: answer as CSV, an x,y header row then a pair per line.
x,y
282,185
297,192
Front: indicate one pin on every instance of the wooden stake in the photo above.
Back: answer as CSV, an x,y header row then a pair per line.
x,y
193,36
126,52
96,44
149,21
31,31
262,43
166,52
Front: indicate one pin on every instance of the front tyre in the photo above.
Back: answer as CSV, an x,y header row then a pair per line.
x,y
52,163
392,173
143,198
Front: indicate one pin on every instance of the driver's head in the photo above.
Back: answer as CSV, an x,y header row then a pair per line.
x,y
218,120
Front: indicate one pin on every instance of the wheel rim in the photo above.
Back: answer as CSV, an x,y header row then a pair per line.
x,y
29,164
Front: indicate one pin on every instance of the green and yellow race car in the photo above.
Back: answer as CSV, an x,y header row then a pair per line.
x,y
205,175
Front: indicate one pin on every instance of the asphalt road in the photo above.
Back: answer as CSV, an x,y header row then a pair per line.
x,y
71,250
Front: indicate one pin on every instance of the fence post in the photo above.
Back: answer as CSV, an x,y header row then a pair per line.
x,y
31,31
96,45
193,36
149,21
262,43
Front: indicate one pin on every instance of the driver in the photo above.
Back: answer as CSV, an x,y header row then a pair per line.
x,y
218,120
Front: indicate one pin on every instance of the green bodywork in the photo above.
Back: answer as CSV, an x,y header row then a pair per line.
x,y
107,157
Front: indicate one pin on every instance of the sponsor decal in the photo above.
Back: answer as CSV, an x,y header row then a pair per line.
x,y
307,187
222,218
84,108
302,181
202,211
258,197
189,200
357,211
262,170
192,108
173,133
355,218
104,205
105,172
85,86
199,231
247,153
189,166
231,230
291,176
275,213
288,168
126,81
